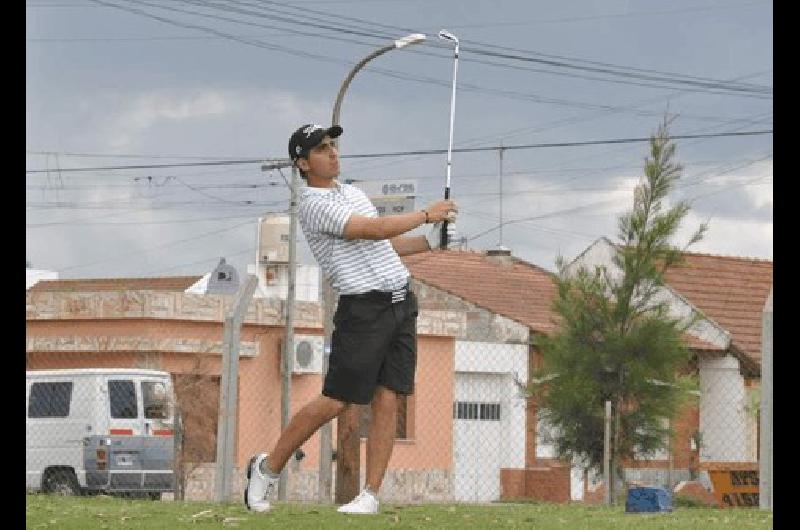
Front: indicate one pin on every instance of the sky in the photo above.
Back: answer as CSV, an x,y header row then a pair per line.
x,y
155,82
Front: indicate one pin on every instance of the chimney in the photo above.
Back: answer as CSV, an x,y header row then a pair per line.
x,y
500,255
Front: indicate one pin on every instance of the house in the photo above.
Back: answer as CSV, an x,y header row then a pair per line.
x,y
728,295
506,303
469,433
164,323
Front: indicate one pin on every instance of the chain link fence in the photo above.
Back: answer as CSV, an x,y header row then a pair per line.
x,y
145,424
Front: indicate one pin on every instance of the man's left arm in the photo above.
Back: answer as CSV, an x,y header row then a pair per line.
x,y
405,245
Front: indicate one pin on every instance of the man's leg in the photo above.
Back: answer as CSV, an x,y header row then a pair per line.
x,y
381,436
300,428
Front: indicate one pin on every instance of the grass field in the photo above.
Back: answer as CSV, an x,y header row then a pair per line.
x,y
45,511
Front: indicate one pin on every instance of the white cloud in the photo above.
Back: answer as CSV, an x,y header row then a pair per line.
x,y
142,112
732,237
752,180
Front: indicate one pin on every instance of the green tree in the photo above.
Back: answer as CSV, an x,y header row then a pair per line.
x,y
616,340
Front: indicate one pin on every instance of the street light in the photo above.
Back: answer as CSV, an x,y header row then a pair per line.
x,y
414,38
348,443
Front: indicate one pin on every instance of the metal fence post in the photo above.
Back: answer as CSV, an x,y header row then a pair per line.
x,y
229,380
765,458
326,431
607,454
178,458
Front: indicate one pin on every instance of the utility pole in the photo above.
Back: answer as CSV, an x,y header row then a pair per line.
x,y
287,352
607,454
288,342
229,385
500,152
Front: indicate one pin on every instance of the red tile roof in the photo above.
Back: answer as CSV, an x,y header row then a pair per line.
x,y
517,290
731,291
524,292
170,283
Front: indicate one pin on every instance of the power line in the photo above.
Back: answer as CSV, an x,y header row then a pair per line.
x,y
119,223
554,213
536,56
369,32
692,180
612,15
373,24
614,70
418,152
525,172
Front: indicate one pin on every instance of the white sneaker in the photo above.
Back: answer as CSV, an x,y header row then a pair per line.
x,y
260,488
365,502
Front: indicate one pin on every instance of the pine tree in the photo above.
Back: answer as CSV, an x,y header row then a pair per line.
x,y
616,340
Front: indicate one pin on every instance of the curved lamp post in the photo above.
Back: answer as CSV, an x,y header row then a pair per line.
x,y
348,443
414,38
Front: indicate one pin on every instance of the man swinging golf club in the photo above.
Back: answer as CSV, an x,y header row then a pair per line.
x,y
374,342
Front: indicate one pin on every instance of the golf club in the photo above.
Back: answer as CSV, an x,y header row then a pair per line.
x,y
446,35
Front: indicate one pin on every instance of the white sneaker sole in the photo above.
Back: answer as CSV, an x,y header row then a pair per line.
x,y
253,508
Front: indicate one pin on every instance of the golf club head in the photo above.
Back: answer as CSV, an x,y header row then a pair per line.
x,y
446,35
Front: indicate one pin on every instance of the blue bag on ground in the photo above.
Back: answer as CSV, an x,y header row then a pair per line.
x,y
648,500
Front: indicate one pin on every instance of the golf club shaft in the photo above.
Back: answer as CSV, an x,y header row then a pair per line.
x,y
444,243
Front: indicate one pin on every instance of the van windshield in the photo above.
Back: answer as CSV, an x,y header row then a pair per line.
x,y
154,400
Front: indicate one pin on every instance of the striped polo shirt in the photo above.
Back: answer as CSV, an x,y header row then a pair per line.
x,y
353,266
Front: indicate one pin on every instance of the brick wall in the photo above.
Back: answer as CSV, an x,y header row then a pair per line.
x,y
547,481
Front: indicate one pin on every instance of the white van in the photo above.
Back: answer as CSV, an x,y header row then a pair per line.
x,y
99,430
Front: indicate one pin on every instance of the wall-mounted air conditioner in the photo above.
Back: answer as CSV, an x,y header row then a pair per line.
x,y
307,353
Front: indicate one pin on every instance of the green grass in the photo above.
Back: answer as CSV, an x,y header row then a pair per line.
x,y
45,511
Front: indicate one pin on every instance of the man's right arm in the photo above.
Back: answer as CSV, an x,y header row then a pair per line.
x,y
378,228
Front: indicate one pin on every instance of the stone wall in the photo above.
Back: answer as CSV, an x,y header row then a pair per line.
x,y
401,486
65,305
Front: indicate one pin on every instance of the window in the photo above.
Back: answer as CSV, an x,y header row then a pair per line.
x,y
49,400
466,410
154,400
122,395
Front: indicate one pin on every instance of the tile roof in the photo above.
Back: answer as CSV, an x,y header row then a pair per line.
x,y
517,290
169,283
730,290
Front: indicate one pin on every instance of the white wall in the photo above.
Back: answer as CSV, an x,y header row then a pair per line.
x,y
724,424
489,373
500,369
602,252
492,357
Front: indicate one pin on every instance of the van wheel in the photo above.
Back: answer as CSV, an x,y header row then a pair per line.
x,y
61,482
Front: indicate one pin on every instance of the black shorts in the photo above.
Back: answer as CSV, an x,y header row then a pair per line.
x,y
374,342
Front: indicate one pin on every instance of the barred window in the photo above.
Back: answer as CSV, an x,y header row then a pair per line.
x,y
468,410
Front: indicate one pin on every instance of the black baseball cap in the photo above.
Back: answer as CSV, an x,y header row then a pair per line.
x,y
309,136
